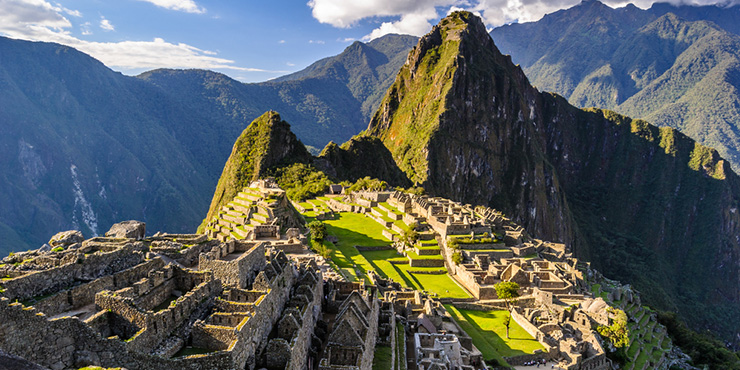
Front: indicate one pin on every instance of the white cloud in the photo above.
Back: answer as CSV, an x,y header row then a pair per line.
x,y
85,28
105,25
188,6
316,42
416,17
289,64
281,42
38,20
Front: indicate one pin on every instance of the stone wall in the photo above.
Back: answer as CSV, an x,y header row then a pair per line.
x,y
301,340
239,272
427,262
84,267
154,327
68,343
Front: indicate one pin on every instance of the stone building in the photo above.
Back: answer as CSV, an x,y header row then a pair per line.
x,y
354,331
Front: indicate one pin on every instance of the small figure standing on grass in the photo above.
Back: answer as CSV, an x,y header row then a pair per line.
x,y
509,292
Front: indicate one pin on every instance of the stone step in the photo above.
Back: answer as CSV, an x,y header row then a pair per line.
x,y
260,217
250,196
225,223
238,234
243,202
243,209
234,220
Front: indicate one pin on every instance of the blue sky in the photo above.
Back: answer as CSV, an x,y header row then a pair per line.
x,y
250,40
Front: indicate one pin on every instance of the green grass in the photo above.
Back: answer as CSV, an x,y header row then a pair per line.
x,y
356,229
382,359
400,344
489,333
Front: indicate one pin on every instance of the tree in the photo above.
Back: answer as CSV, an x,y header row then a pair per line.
x,y
318,230
617,333
322,250
509,292
410,235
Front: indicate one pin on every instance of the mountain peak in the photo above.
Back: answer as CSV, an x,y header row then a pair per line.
x,y
267,142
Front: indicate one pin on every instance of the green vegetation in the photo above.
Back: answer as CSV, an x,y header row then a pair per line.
x,y
382,358
57,249
367,183
457,257
416,99
301,181
400,347
488,333
509,292
617,333
352,229
704,349
318,231
266,143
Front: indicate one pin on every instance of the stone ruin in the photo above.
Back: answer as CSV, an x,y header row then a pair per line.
x,y
162,302
237,301
260,212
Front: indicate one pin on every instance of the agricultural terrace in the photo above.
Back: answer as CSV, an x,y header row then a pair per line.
x,y
354,229
488,332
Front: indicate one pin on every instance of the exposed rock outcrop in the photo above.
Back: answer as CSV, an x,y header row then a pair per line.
x,y
128,230
66,238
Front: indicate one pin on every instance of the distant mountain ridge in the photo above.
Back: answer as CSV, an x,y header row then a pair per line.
x,y
87,147
653,64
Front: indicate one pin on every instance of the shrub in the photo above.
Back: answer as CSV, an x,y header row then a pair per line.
x,y
58,249
318,230
453,244
457,257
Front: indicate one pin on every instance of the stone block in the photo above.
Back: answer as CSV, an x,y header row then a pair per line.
x,y
127,229
66,238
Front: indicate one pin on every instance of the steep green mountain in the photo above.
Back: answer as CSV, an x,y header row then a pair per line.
x,y
86,147
646,205
649,63
265,144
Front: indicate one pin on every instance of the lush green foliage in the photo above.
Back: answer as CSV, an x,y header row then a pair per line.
x,y
318,230
457,257
617,333
704,349
367,183
302,181
508,291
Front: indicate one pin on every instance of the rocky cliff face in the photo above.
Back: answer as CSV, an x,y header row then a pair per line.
x,y
266,143
646,205
359,157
